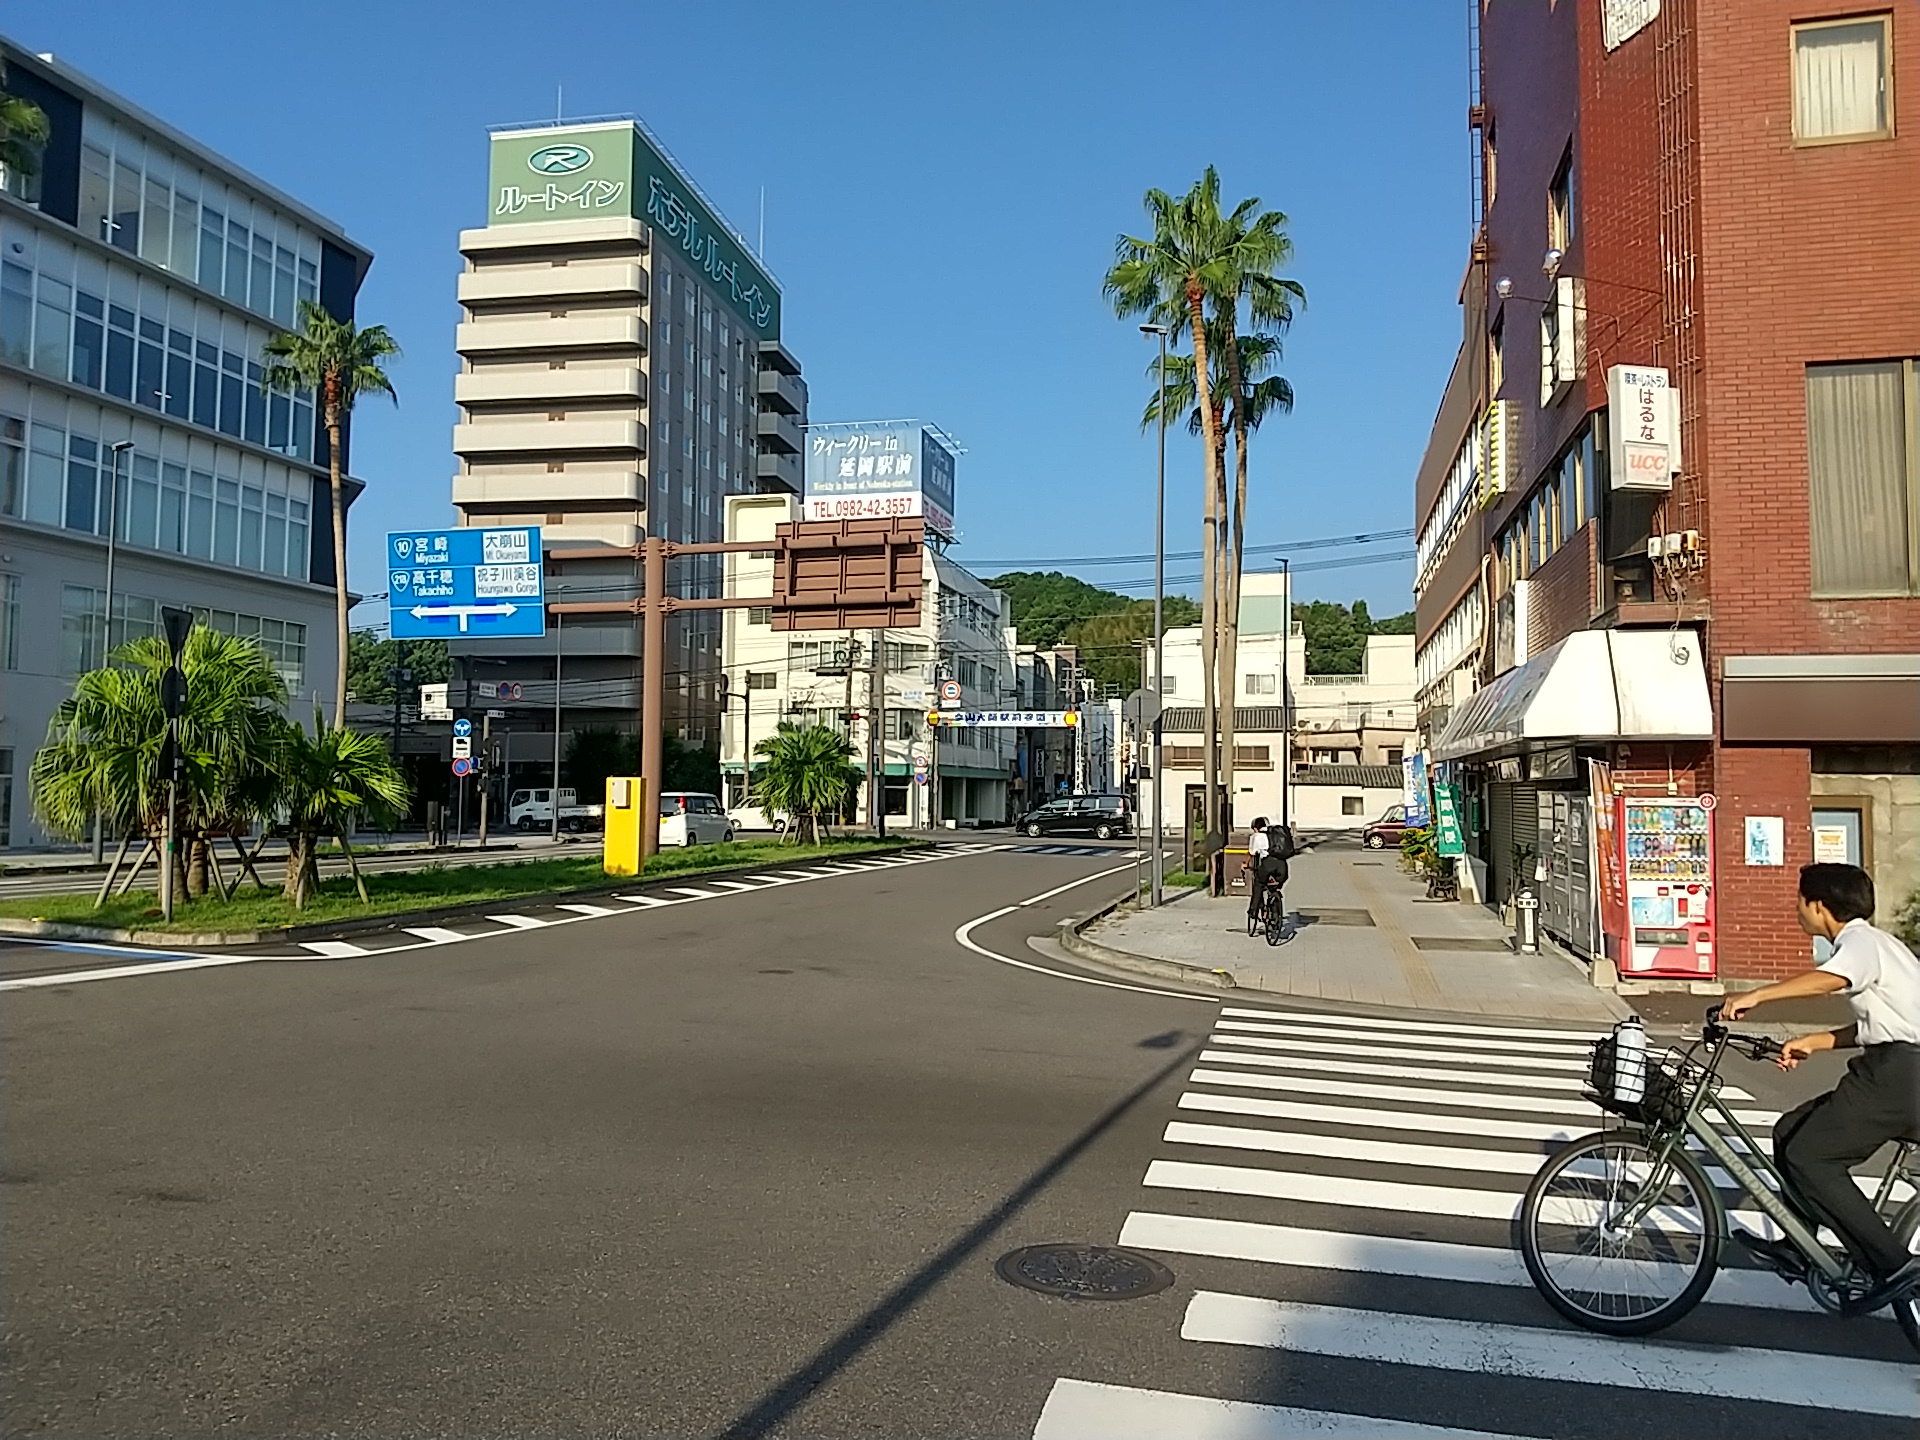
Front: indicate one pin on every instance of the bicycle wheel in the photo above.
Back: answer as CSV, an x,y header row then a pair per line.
x,y
1275,917
1620,1278
1906,1228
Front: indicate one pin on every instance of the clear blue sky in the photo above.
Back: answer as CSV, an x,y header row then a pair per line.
x,y
944,182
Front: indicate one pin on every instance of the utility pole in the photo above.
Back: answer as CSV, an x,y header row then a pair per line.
x,y
1286,694
559,621
877,732
1159,624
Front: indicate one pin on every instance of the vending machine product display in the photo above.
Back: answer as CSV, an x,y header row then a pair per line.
x,y
1666,855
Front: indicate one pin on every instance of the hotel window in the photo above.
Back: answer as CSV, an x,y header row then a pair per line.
x,y
1842,85
9,622
1863,471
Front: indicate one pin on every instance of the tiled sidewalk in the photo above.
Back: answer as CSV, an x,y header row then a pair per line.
x,y
1365,933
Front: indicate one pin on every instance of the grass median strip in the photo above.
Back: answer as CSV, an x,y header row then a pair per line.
x,y
432,887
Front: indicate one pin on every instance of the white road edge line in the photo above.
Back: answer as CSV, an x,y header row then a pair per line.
x,y
1086,1410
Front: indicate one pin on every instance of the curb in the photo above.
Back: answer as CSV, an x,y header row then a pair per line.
x,y
18,871
1076,944
401,920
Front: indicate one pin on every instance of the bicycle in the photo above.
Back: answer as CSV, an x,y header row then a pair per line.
x,y
1621,1232
1270,916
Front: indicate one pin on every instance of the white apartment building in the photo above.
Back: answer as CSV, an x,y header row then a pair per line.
x,y
621,376
965,634
1349,732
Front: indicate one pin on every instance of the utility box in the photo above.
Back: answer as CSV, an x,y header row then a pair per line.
x,y
625,813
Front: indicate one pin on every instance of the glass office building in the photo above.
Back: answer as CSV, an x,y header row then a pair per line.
x,y
140,277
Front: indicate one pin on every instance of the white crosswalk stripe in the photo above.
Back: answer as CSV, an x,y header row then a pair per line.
x,y
1314,1143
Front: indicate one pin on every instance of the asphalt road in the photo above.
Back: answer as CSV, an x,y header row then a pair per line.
x,y
735,1167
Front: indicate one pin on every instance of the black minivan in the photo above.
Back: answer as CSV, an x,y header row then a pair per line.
x,y
1101,816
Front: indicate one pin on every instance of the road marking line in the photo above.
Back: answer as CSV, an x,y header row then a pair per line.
x,y
1418,1259
1083,1410
650,902
588,910
1468,1099
1425,1122
736,885
1326,1064
1734,1372
693,894
439,934
1399,1052
518,922
1460,1042
795,877
334,949
775,879
1341,1147
127,972
1371,1022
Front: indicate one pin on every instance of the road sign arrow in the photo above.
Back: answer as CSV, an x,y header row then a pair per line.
x,y
462,613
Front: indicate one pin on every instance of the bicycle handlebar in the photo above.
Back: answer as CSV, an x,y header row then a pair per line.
x,y
1757,1047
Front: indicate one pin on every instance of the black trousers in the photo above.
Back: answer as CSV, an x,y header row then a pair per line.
x,y
1819,1143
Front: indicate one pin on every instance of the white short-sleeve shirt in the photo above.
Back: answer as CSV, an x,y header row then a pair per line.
x,y
1258,844
1883,983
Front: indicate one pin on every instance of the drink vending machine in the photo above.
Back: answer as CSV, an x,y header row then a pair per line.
x,y
1666,854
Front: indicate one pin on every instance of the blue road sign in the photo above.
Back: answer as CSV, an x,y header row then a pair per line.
x,y
463,728
480,582
463,766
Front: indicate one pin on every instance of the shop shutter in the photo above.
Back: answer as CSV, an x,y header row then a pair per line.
x,y
1515,813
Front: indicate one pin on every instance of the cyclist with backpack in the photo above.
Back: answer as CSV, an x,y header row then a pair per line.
x,y
1268,850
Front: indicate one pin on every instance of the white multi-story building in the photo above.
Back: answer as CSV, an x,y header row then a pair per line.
x,y
1349,733
965,634
621,376
140,277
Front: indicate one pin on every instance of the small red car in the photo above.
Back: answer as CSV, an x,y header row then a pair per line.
x,y
1387,830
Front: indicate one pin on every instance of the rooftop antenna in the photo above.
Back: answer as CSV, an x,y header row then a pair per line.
x,y
762,249
559,102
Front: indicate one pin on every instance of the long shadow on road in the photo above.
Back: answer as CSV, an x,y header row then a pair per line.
x,y
798,1387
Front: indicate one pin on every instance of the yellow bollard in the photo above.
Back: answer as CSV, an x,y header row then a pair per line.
x,y
626,811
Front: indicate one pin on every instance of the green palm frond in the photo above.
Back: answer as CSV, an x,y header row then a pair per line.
x,y
809,770
330,357
23,131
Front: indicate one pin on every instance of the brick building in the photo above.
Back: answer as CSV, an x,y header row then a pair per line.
x,y
1720,197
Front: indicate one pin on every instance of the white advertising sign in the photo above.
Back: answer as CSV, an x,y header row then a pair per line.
x,y
976,719
1644,428
433,703
1621,20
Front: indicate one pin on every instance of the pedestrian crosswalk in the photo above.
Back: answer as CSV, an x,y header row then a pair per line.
x,y
1342,1192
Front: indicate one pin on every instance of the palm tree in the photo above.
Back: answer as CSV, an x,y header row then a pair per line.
x,y
23,130
1259,246
1168,277
341,363
809,772
103,749
327,779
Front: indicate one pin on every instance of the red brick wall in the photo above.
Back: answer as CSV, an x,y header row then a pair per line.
x,y
1809,253
1560,600
1760,938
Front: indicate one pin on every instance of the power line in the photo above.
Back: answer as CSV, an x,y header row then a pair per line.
x,y
1147,559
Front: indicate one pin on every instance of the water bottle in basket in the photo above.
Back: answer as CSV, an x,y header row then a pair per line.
x,y
1630,1061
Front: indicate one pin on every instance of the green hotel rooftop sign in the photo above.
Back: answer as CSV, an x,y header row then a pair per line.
x,y
584,172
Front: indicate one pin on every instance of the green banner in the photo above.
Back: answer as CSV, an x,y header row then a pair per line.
x,y
1446,835
588,172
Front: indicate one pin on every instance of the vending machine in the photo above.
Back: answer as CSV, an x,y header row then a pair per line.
x,y
1666,853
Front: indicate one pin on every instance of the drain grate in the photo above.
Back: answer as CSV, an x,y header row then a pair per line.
x,y
1083,1272
1479,944
1332,916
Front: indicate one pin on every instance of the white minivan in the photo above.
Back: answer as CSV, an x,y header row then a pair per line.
x,y
690,818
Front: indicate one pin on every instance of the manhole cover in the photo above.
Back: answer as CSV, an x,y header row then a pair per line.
x,y
1083,1272
1475,943
1329,915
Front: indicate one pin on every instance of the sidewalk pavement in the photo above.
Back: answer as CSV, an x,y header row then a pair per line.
x,y
1364,932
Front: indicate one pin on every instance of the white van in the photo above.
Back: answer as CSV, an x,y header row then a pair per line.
x,y
690,818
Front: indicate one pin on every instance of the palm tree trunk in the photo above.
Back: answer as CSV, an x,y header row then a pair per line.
x,y
197,864
1209,559
1237,546
337,487
353,864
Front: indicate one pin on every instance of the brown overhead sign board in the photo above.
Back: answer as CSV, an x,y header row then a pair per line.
x,y
847,574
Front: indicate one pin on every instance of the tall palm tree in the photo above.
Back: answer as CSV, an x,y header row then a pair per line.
x,y
1258,246
326,779
809,772
23,130
1168,276
341,363
103,747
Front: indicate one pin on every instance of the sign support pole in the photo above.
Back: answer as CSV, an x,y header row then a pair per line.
x,y
558,631
653,647
877,730
486,733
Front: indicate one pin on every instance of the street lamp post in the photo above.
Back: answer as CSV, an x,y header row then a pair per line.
x,y
1159,628
106,629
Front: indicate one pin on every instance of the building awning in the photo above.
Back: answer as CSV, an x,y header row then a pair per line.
x,y
1595,685
1821,699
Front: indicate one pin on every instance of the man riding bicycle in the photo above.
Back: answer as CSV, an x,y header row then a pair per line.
x,y
1878,1099
1268,850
